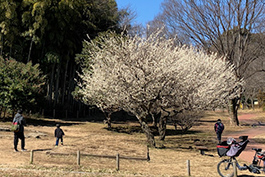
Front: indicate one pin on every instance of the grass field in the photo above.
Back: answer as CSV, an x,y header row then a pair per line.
x,y
126,140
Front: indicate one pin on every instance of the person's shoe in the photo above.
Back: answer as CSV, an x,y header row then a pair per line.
x,y
62,144
56,146
24,150
15,150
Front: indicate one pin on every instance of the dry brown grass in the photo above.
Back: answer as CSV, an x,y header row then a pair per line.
x,y
93,138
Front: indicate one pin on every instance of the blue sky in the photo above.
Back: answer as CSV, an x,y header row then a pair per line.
x,y
146,9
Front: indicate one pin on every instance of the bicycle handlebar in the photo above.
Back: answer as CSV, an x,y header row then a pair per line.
x,y
257,149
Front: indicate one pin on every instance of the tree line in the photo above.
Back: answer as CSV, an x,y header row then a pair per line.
x,y
50,33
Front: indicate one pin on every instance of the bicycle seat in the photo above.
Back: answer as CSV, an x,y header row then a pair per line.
x,y
257,149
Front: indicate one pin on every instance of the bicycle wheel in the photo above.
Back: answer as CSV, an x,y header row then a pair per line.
x,y
225,168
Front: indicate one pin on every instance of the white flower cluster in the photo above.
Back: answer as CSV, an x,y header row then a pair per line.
x,y
141,75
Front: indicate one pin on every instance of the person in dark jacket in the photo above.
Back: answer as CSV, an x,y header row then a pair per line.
x,y
219,128
58,133
20,134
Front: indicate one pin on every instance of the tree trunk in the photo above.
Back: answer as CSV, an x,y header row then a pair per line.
x,y
71,85
56,94
30,48
1,109
155,118
163,124
64,80
51,86
233,112
2,46
148,132
108,118
162,127
252,103
154,121
4,113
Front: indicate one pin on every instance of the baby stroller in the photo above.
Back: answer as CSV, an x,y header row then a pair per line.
x,y
232,149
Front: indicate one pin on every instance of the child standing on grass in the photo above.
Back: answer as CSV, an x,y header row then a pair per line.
x,y
58,133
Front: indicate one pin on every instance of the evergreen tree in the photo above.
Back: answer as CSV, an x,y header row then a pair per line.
x,y
20,84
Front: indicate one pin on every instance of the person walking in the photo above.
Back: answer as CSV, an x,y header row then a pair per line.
x,y
58,133
20,134
219,128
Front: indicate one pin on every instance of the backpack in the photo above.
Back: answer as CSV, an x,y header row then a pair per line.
x,y
15,127
219,127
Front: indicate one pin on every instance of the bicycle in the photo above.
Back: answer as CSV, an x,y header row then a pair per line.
x,y
232,149
258,158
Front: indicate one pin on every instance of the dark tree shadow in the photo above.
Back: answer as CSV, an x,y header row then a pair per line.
x,y
48,122
126,130
137,129
42,122
206,121
170,132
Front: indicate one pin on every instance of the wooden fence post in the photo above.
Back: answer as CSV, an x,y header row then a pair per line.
x,y
78,157
31,157
234,167
148,156
188,167
118,162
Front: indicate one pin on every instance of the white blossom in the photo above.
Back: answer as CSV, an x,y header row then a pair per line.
x,y
141,75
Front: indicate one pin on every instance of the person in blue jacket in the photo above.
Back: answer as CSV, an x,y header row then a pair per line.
x,y
219,128
58,133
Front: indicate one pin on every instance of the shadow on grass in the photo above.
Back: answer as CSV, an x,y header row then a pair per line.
x,y
137,129
126,129
170,132
42,122
43,149
206,121
48,122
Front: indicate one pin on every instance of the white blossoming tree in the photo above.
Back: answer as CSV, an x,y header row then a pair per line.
x,y
146,76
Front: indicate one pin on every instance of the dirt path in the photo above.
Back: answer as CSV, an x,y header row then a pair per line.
x,y
248,153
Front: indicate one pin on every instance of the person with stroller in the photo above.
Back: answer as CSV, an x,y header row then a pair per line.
x,y
219,128
58,133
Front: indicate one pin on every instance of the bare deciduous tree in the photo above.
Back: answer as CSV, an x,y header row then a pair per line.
x,y
254,75
185,119
147,75
222,26
127,24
